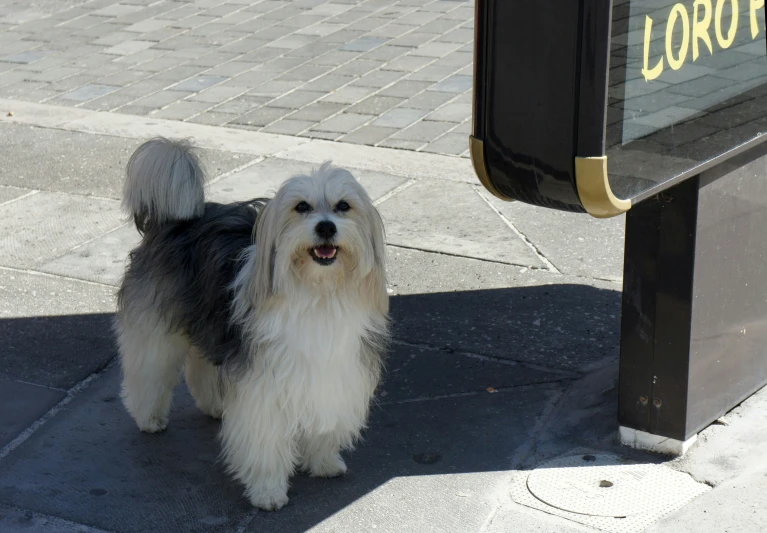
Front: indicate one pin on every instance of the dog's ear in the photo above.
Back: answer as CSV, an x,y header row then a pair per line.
x,y
376,279
265,233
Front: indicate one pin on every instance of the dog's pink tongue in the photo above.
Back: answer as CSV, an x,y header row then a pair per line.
x,y
325,252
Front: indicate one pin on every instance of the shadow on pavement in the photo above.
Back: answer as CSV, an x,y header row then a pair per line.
x,y
437,440
55,351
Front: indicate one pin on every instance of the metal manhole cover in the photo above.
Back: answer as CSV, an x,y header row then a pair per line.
x,y
595,485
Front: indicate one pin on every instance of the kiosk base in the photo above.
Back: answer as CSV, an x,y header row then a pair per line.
x,y
642,440
694,312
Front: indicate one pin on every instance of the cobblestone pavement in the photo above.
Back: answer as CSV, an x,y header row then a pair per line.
x,y
376,72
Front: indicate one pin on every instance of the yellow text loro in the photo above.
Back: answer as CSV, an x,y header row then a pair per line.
x,y
695,26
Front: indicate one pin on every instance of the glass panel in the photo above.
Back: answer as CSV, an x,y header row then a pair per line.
x,y
688,82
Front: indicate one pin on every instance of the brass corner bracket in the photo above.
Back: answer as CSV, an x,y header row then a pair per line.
x,y
477,151
594,188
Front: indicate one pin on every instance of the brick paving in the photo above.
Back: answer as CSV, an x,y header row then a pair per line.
x,y
377,72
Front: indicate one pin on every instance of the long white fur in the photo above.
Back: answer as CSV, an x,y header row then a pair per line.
x,y
164,181
151,358
313,335
306,392
305,324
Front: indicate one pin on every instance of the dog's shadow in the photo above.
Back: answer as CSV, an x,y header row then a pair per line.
x,y
468,376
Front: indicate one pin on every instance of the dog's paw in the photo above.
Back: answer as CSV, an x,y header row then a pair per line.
x,y
213,412
268,500
330,467
155,424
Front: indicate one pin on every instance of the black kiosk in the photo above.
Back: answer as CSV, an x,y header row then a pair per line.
x,y
656,109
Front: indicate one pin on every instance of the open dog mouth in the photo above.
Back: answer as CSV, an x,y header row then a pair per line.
x,y
324,254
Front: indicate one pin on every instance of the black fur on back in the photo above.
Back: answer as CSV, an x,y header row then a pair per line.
x,y
185,270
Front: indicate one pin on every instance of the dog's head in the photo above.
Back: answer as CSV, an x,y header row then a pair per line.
x,y
320,230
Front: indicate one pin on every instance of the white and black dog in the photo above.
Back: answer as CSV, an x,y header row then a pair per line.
x,y
276,308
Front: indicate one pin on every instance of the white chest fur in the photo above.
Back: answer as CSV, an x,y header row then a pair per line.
x,y
309,362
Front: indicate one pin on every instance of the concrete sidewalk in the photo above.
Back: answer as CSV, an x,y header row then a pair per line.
x,y
505,347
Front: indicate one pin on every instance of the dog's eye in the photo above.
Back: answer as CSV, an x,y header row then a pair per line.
x,y
342,206
303,207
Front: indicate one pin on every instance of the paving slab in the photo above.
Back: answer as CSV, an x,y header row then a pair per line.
x,y
575,243
584,416
191,48
8,194
418,372
452,218
91,465
55,332
89,92
399,117
426,503
97,168
105,473
462,304
728,457
514,517
265,177
79,163
15,520
424,466
101,260
21,404
736,506
396,162
43,226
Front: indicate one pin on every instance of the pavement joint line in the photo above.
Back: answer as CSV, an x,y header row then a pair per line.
x,y
202,73
56,521
185,31
377,92
33,272
172,83
380,89
80,245
212,105
154,111
53,411
472,393
598,278
396,190
491,517
152,59
72,124
404,163
235,170
87,196
451,130
521,454
494,261
246,520
549,265
37,385
422,119
23,196
566,374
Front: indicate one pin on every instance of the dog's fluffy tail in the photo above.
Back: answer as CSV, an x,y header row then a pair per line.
x,y
164,182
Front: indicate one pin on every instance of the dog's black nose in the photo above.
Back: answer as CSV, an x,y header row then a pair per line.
x,y
326,229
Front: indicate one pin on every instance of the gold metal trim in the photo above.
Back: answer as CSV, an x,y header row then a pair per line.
x,y
594,188
477,151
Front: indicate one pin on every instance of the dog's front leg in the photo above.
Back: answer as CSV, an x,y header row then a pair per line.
x,y
258,444
321,455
